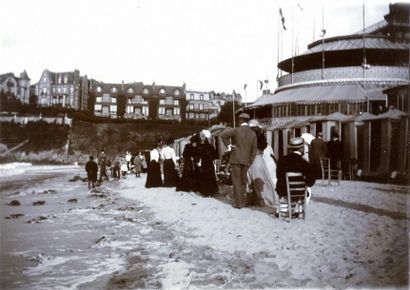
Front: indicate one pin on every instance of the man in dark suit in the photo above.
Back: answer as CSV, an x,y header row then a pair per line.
x,y
244,148
317,151
293,162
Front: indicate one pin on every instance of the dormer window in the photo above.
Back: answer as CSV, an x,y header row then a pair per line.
x,y
59,80
99,89
176,93
162,91
65,79
145,91
131,90
114,90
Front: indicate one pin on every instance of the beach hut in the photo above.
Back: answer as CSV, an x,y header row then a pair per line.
x,y
328,124
386,150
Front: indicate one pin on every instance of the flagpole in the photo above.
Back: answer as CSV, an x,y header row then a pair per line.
x,y
278,32
323,42
364,64
291,75
233,108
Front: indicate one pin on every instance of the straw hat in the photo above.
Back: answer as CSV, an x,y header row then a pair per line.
x,y
296,143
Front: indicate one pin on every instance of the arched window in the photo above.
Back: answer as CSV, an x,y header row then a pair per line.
x,y
162,91
145,91
99,89
131,90
114,90
176,93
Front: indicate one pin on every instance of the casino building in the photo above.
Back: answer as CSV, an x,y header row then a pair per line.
x,y
339,79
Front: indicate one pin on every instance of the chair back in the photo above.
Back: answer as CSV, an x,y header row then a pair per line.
x,y
296,185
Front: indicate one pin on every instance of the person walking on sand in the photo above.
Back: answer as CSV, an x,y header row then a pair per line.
x,y
103,165
207,184
128,158
91,167
262,172
137,164
170,164
189,178
317,152
154,178
244,148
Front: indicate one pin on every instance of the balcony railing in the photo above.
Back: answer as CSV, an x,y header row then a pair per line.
x,y
168,102
350,72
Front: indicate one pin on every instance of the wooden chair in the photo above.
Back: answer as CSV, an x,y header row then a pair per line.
x,y
329,173
296,195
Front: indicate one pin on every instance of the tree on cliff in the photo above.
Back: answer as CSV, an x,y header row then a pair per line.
x,y
225,115
121,103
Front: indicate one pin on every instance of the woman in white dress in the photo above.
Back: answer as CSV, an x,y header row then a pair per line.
x,y
262,172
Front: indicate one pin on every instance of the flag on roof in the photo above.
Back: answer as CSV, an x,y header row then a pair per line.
x,y
282,19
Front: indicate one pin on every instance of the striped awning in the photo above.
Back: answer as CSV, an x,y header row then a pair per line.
x,y
320,94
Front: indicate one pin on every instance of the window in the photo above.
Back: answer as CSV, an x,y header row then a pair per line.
x,y
99,89
196,97
192,96
201,107
201,97
206,97
162,91
44,79
176,102
145,91
113,108
191,106
131,90
176,93
113,100
65,79
162,102
145,111
44,91
114,90
64,90
130,109
97,107
161,110
72,89
176,111
98,99
137,111
54,90
169,112
59,80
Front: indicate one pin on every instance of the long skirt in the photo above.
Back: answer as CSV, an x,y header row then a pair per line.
x,y
189,179
207,184
170,173
262,182
154,175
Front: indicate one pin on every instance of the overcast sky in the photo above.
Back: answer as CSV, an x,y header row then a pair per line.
x,y
208,44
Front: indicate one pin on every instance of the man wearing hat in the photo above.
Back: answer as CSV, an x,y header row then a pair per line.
x,y
244,149
317,151
293,162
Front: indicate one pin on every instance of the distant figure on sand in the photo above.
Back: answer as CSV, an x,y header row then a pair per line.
x,y
207,184
317,152
103,165
293,162
137,164
154,178
128,158
170,164
91,168
244,148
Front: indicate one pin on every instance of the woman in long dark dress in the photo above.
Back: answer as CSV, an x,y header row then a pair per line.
x,y
189,179
206,170
154,178
170,164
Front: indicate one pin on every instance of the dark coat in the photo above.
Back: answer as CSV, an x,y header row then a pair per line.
x,y
292,162
334,152
189,179
92,168
317,151
244,138
207,184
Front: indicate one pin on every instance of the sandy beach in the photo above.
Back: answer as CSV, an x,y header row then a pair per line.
x,y
122,235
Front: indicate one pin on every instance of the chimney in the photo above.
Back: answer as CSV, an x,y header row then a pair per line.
x,y
122,85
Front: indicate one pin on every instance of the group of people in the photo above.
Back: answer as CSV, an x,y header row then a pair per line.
x,y
257,177
121,166
195,171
